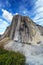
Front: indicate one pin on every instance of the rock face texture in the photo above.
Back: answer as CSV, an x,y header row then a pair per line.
x,y
23,29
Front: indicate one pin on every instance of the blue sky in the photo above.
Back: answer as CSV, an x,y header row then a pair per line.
x,y
31,8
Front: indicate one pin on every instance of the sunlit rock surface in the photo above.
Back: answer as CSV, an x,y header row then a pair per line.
x,y
33,53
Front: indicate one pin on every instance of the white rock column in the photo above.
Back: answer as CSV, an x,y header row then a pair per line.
x,y
17,36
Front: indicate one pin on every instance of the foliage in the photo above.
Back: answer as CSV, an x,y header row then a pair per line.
x,y
11,58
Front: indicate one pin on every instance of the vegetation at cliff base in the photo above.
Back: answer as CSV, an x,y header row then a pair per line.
x,y
11,58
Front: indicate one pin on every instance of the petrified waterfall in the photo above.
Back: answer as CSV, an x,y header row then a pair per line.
x,y
17,35
20,30
23,29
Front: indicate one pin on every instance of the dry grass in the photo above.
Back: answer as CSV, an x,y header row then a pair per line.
x,y
4,41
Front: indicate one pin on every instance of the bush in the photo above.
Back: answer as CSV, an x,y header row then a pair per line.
x,y
11,58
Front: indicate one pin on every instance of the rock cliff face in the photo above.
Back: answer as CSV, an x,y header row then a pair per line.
x,y
26,37
23,29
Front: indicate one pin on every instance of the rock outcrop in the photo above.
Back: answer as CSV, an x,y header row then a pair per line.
x,y
23,29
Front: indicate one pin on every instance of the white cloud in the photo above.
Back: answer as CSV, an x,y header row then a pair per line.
x,y
39,2
16,13
39,9
40,22
0,20
40,15
3,25
38,6
7,15
25,12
